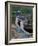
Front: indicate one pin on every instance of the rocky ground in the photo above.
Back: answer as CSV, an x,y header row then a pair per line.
x,y
18,33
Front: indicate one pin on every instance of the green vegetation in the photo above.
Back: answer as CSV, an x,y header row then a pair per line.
x,y
24,10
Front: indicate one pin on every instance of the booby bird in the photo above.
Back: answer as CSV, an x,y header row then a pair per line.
x,y
20,20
